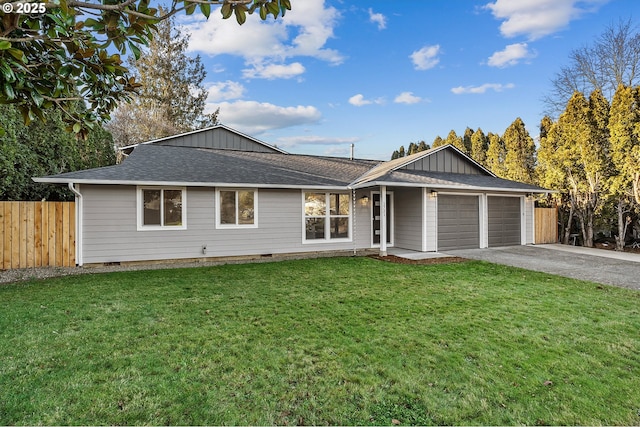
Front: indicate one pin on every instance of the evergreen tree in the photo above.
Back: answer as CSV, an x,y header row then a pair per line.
x,y
395,155
413,149
401,152
624,128
496,154
467,140
455,140
171,98
423,146
437,142
479,146
520,149
45,148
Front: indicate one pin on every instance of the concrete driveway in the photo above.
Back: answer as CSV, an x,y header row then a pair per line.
x,y
595,265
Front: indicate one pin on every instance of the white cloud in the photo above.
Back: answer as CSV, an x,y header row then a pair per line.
x,y
359,100
304,32
255,117
292,141
539,18
426,57
273,71
511,55
378,18
407,98
497,87
224,91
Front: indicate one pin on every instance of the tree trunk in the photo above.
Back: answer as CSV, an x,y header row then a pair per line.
x,y
623,223
567,230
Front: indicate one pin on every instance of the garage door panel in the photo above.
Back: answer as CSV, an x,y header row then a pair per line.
x,y
458,222
504,221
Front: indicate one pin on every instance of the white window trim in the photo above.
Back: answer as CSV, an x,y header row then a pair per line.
x,y
327,216
140,209
237,226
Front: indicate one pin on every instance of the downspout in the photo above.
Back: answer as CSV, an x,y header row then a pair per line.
x,y
78,224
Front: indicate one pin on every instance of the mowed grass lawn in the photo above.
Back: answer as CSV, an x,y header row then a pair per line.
x,y
325,341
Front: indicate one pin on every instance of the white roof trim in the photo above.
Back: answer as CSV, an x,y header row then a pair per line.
x,y
462,187
183,183
204,130
395,164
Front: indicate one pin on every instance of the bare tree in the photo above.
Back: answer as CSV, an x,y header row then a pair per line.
x,y
613,59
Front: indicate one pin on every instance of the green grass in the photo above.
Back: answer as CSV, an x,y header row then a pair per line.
x,y
326,341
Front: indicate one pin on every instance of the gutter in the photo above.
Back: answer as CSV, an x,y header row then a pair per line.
x,y
79,210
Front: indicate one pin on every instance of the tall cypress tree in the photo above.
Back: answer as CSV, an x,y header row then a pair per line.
x,y
624,129
479,146
520,152
496,154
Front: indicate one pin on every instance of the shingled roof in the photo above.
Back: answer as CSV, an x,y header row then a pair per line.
x,y
167,165
151,164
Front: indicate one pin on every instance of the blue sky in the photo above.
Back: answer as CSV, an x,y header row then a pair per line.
x,y
380,74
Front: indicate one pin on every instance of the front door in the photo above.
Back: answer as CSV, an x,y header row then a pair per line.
x,y
376,216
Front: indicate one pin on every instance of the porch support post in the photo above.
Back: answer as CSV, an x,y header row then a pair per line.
x,y
383,221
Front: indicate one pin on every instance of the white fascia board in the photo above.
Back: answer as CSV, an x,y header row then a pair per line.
x,y
451,187
185,184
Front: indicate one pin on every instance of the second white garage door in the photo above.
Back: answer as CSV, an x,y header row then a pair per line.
x,y
458,222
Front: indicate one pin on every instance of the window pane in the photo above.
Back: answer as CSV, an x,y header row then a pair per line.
x,y
173,207
151,214
339,228
227,207
246,207
314,204
339,204
315,228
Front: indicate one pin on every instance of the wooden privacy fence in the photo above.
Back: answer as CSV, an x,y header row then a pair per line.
x,y
546,221
37,234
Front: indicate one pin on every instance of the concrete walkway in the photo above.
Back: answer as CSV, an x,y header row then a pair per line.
x,y
595,265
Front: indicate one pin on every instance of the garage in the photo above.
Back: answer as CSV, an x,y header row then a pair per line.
x,y
504,221
458,222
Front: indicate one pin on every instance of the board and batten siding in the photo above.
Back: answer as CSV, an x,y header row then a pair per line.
x,y
218,138
110,228
408,218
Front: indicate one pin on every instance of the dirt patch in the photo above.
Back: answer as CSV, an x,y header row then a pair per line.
x,y
612,247
399,260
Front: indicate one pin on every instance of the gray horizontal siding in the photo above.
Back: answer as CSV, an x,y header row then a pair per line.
x,y
408,218
111,235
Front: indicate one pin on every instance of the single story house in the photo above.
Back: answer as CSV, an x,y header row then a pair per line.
x,y
219,193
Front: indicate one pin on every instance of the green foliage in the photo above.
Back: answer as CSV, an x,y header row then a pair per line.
x,y
45,148
479,147
171,98
413,149
453,139
73,52
624,127
342,341
519,160
496,154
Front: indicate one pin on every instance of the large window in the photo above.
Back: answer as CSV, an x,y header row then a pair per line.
x,y
161,208
326,216
237,208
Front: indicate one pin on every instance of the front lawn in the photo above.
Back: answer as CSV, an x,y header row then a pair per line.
x,y
325,341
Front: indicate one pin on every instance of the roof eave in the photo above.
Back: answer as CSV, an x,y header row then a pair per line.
x,y
53,180
452,187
